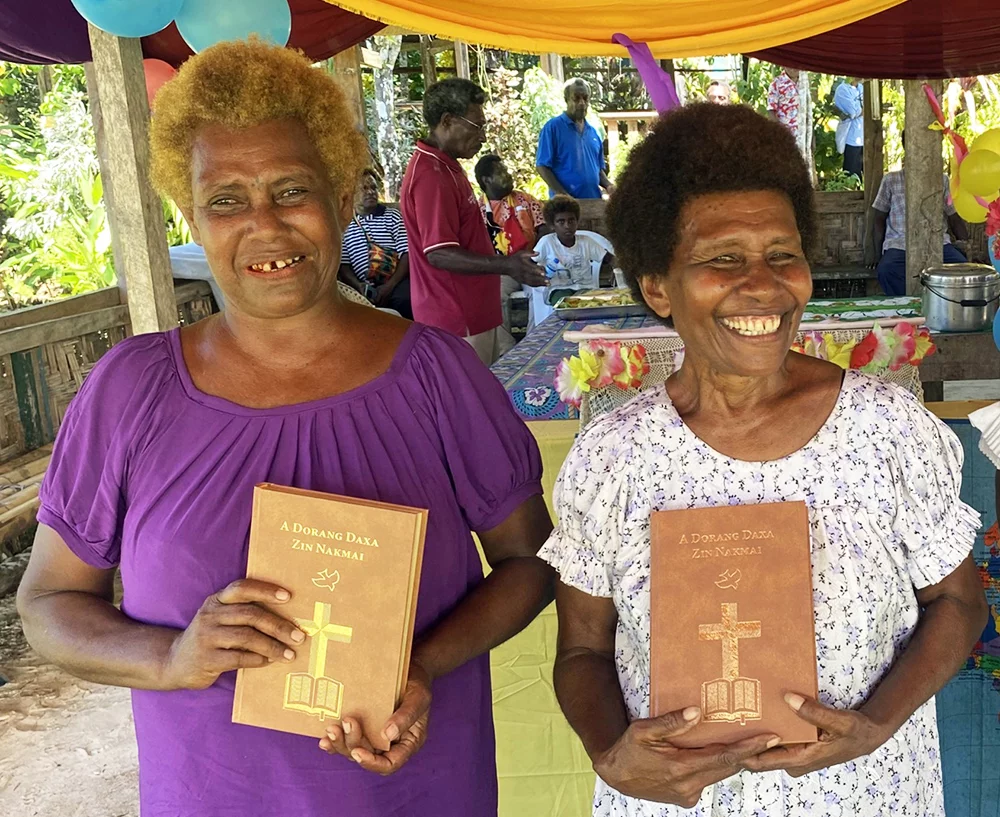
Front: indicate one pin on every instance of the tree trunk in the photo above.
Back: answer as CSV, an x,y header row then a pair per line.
x,y
385,108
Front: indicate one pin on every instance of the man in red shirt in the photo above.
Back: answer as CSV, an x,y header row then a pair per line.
x,y
454,269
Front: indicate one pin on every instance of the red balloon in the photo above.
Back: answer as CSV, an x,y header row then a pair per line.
x,y
157,72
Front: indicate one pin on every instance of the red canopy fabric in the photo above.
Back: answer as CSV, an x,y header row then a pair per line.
x,y
52,31
918,39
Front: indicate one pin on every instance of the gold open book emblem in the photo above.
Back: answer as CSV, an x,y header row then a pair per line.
x,y
313,692
730,698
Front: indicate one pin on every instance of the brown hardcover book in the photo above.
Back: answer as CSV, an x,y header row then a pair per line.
x,y
731,626
353,569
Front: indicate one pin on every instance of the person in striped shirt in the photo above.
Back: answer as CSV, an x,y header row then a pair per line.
x,y
376,258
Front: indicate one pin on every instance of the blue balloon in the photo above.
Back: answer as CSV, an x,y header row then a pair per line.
x,y
203,23
129,18
993,251
996,330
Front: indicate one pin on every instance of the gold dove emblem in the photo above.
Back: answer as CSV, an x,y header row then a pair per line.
x,y
729,580
326,579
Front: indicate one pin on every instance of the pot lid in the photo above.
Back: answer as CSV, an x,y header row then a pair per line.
x,y
960,275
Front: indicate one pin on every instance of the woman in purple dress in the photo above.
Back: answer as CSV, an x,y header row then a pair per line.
x,y
154,469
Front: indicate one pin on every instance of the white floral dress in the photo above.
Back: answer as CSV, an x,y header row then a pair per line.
x,y
881,480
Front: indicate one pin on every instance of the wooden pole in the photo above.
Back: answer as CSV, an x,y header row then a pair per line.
x,y
462,67
427,61
924,171
874,160
552,65
97,116
347,68
136,214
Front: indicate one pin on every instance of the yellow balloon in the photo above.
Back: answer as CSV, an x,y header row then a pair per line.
x,y
988,141
979,174
968,208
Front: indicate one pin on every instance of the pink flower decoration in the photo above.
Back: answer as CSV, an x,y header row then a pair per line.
x,y
609,362
905,346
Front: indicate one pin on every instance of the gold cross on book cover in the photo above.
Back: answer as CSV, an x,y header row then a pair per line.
x,y
312,692
731,620
353,569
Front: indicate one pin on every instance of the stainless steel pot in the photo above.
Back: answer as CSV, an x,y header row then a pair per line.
x,y
960,297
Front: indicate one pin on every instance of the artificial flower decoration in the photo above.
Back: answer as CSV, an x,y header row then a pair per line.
x,y
904,346
863,353
574,376
609,362
839,353
599,364
636,367
993,227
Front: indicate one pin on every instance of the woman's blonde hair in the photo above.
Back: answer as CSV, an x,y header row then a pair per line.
x,y
241,84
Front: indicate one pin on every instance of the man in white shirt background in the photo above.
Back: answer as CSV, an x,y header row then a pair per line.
x,y
848,100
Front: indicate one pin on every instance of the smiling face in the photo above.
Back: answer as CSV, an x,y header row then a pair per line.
x,y
268,217
738,282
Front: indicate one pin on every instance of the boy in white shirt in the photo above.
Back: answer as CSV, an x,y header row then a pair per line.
x,y
569,259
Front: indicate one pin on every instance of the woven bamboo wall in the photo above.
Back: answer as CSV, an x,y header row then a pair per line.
x,y
37,384
841,227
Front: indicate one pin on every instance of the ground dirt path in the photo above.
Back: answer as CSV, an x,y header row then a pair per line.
x,y
67,747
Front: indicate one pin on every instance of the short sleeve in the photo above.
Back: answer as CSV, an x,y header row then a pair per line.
x,y
932,526
596,514
595,252
546,155
400,242
883,201
491,455
543,250
537,214
83,494
435,211
949,205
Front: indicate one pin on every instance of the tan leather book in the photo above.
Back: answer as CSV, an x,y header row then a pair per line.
x,y
731,620
353,569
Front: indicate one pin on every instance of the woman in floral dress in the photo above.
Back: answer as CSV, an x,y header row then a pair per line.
x,y
711,222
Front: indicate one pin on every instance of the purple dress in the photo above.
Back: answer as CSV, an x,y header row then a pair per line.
x,y
155,476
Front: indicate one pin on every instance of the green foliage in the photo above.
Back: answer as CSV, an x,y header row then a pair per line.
x,y
55,239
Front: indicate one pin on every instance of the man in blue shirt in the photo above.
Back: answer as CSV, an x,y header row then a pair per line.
x,y
570,150
850,131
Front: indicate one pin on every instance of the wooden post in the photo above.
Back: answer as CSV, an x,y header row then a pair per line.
x,y
347,68
552,65
924,169
136,214
462,67
874,161
96,115
427,61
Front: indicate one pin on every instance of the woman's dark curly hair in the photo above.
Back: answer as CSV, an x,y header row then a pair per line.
x,y
692,151
560,204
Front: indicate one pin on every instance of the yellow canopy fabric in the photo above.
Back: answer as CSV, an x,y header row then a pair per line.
x,y
671,28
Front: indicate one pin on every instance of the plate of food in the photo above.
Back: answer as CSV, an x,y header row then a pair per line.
x,y
596,304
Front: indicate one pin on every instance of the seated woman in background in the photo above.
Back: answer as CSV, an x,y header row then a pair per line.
x,y
376,258
711,222
570,259
156,461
